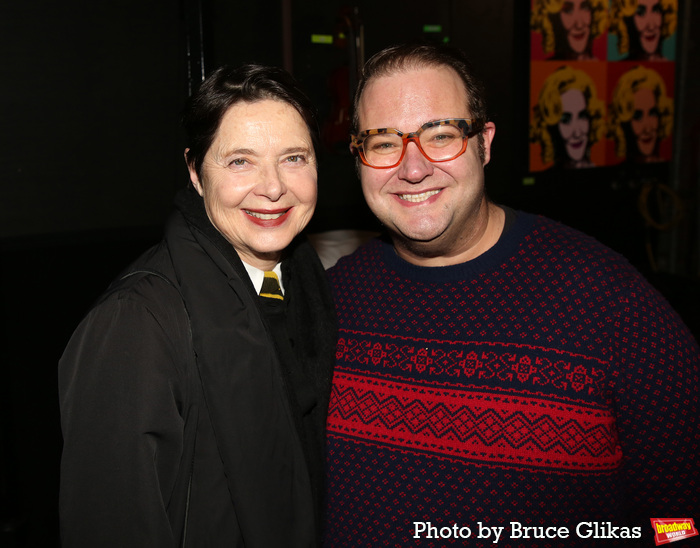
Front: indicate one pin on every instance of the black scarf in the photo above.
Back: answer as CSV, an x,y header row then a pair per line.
x,y
310,323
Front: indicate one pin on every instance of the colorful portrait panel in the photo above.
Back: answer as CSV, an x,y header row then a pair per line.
x,y
567,115
602,76
642,30
640,112
568,30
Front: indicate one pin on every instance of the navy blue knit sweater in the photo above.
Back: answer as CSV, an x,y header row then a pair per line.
x,y
543,384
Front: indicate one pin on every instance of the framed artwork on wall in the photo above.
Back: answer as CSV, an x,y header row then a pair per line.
x,y
602,81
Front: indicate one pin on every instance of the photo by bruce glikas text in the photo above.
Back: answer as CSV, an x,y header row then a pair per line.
x,y
516,530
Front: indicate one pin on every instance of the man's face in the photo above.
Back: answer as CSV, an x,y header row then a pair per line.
x,y
432,209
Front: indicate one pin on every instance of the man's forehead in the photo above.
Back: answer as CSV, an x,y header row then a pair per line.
x,y
415,94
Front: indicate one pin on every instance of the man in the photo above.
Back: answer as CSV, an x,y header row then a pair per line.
x,y
495,370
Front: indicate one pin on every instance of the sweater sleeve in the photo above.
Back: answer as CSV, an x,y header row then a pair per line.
x,y
657,393
120,401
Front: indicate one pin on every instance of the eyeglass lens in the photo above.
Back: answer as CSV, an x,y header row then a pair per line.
x,y
439,143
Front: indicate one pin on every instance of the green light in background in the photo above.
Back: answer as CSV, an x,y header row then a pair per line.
x,y
321,38
528,181
432,28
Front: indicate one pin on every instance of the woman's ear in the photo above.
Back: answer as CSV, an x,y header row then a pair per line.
x,y
193,175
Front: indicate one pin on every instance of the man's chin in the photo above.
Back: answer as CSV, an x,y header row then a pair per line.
x,y
421,244
417,237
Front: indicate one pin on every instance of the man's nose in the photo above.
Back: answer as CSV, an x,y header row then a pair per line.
x,y
415,166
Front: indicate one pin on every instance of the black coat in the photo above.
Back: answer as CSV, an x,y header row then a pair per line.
x,y
180,420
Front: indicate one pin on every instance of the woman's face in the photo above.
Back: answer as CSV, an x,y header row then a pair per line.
x,y
647,20
576,19
645,121
574,124
259,179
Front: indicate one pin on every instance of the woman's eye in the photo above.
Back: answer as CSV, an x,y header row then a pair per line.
x,y
566,118
298,160
637,115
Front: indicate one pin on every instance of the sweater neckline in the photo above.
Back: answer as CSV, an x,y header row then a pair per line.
x,y
503,250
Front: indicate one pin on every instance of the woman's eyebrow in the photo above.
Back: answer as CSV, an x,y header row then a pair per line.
x,y
290,150
234,151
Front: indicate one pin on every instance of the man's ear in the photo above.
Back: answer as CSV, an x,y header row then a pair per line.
x,y
358,162
193,175
488,133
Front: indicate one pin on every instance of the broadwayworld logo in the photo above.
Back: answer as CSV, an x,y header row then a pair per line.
x,y
672,529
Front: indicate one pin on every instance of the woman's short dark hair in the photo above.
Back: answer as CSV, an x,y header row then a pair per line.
x,y
410,56
227,86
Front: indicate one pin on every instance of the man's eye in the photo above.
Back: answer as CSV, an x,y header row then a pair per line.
x,y
383,146
441,139
238,162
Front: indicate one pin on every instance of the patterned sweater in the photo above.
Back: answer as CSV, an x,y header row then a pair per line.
x,y
543,384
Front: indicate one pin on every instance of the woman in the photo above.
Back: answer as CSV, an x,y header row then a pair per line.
x,y
192,409
642,25
568,27
567,119
641,115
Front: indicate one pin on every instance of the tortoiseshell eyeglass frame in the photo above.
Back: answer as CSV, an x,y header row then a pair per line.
x,y
469,127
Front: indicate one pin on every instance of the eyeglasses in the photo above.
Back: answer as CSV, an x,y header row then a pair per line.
x,y
438,141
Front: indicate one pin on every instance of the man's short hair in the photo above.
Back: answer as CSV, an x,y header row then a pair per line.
x,y
403,57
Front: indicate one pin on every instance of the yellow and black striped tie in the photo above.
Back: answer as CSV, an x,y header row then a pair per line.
x,y
271,286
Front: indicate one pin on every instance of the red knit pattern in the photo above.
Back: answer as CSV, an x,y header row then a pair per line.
x,y
500,429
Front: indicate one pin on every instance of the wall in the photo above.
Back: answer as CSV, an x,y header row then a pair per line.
x,y
90,100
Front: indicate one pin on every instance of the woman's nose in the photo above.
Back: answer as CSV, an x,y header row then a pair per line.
x,y
270,184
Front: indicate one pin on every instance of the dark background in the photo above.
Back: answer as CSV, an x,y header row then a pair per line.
x,y
91,156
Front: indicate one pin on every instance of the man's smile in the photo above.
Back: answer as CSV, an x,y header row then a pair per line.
x,y
418,197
